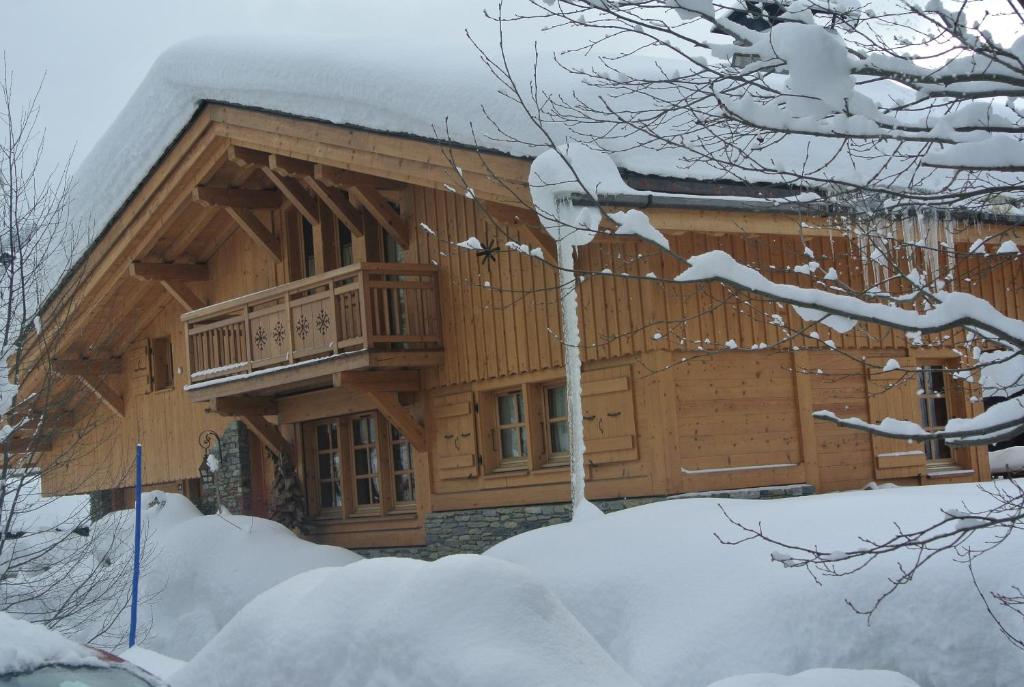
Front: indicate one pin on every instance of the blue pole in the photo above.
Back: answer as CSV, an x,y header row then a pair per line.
x,y
138,545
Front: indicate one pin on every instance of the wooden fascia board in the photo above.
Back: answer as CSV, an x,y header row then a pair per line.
x,y
169,271
388,404
197,151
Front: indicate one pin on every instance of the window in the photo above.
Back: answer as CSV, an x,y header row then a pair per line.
x,y
512,434
308,252
405,480
359,465
161,364
328,462
556,420
345,246
933,385
367,467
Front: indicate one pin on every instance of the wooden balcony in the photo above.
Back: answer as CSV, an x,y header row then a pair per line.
x,y
360,317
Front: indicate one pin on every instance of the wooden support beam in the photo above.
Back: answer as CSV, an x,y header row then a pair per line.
x,y
379,380
522,218
250,199
297,195
290,166
247,156
268,433
337,202
110,398
169,271
28,444
257,231
374,203
76,367
243,405
185,296
387,403
345,178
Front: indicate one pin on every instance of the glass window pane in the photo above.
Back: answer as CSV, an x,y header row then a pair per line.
x,y
508,408
322,437
324,464
559,437
513,443
403,456
362,462
372,453
309,261
371,426
363,492
374,489
939,379
345,245
941,416
326,495
359,431
557,405
405,489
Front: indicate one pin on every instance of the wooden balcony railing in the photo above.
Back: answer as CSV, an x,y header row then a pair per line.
x,y
368,306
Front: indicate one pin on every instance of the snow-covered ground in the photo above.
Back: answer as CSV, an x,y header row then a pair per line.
x,y
647,596
1007,461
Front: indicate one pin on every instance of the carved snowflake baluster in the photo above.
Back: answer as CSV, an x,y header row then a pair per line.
x,y
279,333
323,321
302,327
261,338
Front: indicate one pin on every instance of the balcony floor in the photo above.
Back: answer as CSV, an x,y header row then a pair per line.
x,y
308,374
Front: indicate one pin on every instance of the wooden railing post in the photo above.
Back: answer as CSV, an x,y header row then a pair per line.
x,y
364,308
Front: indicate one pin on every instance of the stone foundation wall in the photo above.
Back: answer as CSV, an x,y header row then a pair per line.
x,y
100,503
476,530
232,477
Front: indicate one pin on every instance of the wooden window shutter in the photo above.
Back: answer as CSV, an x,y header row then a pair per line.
x,y
894,394
161,364
609,417
454,441
139,376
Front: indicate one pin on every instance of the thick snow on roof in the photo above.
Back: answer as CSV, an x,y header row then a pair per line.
x,y
430,87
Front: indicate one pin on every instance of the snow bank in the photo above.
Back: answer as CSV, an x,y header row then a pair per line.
x,y
152,662
823,677
1007,460
464,620
201,569
24,646
674,607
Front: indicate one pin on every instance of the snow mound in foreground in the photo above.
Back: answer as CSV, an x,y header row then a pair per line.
x,y
464,620
24,646
676,608
199,570
822,677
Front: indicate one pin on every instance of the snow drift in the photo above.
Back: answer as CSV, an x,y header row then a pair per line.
x,y
675,607
200,570
462,621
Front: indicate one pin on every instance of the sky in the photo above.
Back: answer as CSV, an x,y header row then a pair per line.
x,y
95,53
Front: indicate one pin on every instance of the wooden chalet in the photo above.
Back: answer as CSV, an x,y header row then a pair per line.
x,y
302,279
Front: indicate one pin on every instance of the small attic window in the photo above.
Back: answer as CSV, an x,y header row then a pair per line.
x,y
161,364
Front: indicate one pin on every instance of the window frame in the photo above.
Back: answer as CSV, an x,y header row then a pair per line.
x,y
551,457
521,426
951,396
351,509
